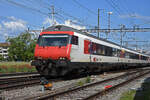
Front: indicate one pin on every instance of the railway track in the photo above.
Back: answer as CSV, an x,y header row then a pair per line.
x,y
102,93
13,84
91,90
17,74
22,80
17,80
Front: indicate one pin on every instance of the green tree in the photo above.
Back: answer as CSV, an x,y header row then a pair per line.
x,y
1,58
21,47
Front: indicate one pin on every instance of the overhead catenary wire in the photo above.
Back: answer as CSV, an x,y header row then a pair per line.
x,y
87,9
113,6
81,22
130,12
82,6
43,13
116,6
26,7
39,2
125,7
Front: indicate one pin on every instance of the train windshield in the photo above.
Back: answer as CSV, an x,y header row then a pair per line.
x,y
53,40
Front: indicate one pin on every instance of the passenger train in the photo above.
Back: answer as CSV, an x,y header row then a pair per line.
x,y
63,51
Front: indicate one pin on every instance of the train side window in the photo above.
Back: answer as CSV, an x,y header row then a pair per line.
x,y
94,46
39,41
114,52
127,55
144,58
74,40
102,50
131,55
108,51
118,52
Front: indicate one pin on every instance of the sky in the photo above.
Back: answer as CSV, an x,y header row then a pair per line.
x,y
18,15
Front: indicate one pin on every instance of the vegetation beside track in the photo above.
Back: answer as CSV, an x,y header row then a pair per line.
x,y
21,47
143,94
13,67
84,81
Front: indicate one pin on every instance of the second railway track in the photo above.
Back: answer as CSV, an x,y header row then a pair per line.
x,y
12,82
91,90
17,74
23,80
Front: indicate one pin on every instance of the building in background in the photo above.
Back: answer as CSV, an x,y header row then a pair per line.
x,y
4,50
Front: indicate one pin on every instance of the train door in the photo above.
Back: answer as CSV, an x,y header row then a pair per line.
x,y
75,50
87,49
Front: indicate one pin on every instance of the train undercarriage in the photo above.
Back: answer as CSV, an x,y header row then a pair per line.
x,y
52,68
64,68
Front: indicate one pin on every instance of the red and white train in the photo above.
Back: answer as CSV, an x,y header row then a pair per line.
x,y
63,50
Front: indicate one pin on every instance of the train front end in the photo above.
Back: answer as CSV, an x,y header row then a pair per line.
x,y
52,53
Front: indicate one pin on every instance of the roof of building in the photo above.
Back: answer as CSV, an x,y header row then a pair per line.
x,y
4,44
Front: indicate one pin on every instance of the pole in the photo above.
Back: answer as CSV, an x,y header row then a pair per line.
x,y
52,7
109,13
109,22
98,24
121,39
122,27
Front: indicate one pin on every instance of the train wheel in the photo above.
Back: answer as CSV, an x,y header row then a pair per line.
x,y
38,69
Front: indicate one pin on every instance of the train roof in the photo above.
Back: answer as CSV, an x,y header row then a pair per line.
x,y
67,28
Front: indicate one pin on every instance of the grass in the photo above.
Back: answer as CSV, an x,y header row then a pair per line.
x,y
13,67
84,81
138,95
128,95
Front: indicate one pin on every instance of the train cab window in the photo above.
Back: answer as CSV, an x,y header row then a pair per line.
x,y
53,40
74,40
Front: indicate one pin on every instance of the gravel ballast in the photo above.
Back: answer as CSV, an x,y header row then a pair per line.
x,y
35,90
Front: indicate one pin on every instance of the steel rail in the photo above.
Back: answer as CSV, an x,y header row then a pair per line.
x,y
16,74
54,95
17,79
104,92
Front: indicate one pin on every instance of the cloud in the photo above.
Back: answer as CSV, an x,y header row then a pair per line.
x,y
12,27
48,21
72,24
14,24
0,27
12,18
137,16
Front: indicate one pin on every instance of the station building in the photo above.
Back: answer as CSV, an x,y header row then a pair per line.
x,y
4,49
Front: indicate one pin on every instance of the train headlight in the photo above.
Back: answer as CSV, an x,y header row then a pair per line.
x,y
39,57
62,61
62,58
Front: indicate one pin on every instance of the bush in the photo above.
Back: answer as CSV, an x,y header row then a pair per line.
x,y
12,67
